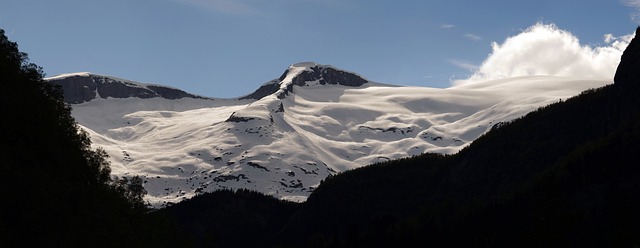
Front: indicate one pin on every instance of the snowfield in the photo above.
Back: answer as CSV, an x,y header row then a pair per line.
x,y
285,143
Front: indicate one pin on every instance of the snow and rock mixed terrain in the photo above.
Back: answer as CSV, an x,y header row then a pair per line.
x,y
284,138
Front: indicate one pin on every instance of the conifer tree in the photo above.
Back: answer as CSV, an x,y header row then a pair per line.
x,y
56,189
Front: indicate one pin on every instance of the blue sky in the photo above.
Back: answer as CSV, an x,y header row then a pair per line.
x,y
228,48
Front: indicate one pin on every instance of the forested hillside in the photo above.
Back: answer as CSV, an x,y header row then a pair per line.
x,y
56,191
565,175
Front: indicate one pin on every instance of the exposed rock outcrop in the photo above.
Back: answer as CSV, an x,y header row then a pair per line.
x,y
322,74
84,87
328,75
264,90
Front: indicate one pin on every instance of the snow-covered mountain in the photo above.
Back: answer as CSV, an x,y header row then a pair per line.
x,y
294,131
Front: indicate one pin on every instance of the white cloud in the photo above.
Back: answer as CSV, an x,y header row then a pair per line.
x,y
608,38
632,3
446,26
252,8
635,16
472,37
464,64
547,50
232,7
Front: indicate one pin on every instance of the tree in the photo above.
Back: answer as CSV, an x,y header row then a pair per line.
x,y
132,189
57,190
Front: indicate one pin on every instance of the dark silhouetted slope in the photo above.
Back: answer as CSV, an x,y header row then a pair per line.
x,y
564,175
56,190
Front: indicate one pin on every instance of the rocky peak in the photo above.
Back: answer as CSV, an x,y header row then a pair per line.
x,y
324,74
307,74
84,87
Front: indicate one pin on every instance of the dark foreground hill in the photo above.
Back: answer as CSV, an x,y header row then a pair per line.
x,y
56,191
566,175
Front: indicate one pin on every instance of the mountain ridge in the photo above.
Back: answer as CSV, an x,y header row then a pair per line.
x,y
85,86
302,74
305,126
564,175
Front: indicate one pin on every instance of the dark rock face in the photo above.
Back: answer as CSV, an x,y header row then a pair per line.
x,y
628,72
234,118
84,88
77,89
324,76
170,93
328,75
264,90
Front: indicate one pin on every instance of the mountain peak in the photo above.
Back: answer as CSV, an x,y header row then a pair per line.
x,y
84,86
307,74
305,65
310,73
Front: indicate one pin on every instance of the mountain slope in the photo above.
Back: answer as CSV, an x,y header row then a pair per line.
x,y
293,132
565,175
